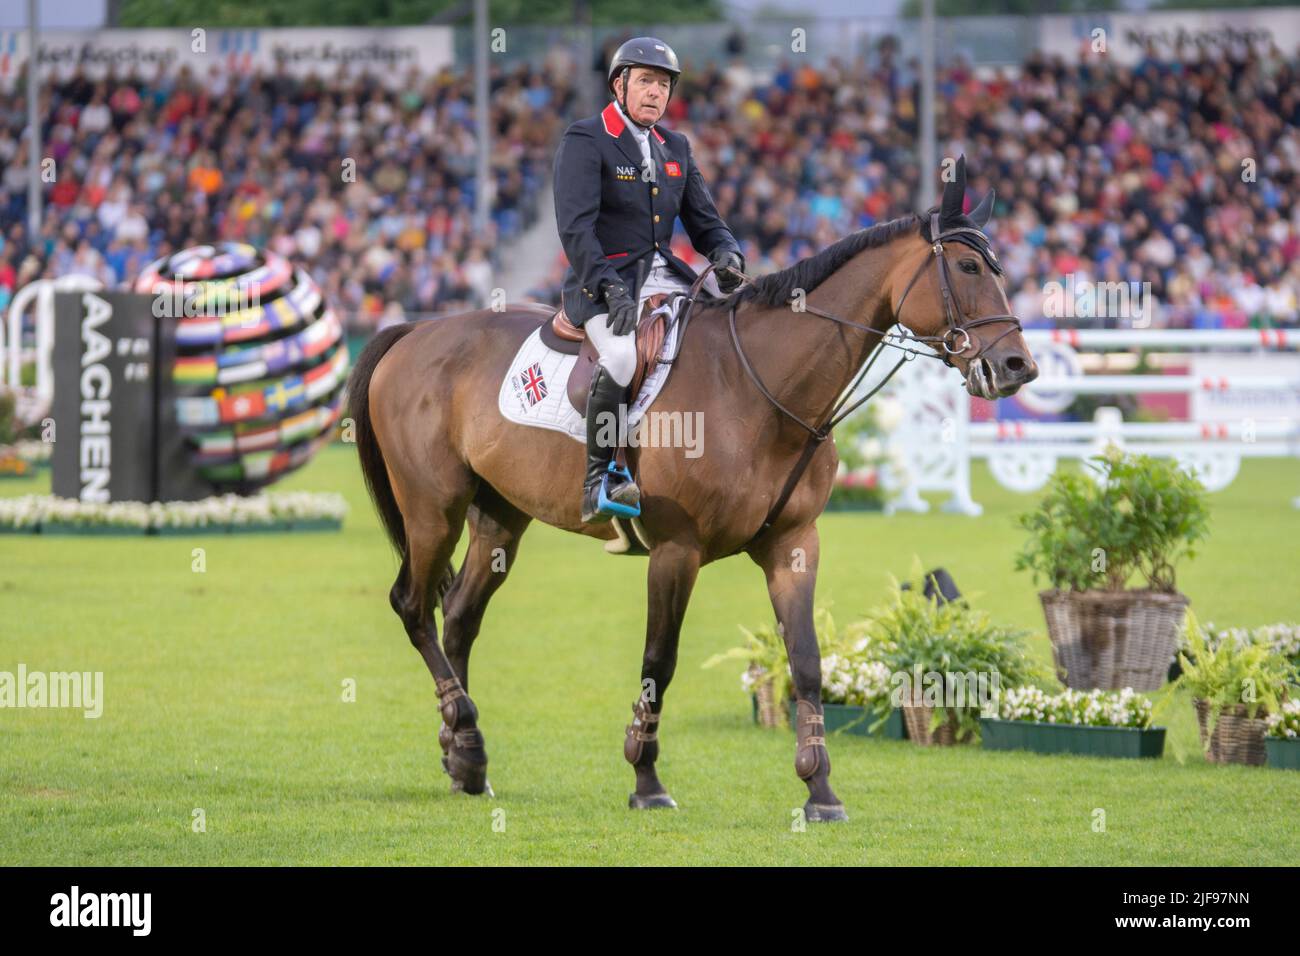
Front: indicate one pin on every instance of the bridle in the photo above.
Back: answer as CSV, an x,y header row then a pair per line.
x,y
944,343
944,351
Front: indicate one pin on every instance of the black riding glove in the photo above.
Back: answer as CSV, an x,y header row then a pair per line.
x,y
622,308
724,260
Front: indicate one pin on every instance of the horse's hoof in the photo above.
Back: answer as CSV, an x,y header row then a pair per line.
x,y
466,776
651,802
824,812
487,791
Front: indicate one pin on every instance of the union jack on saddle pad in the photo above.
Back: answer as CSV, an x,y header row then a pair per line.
x,y
534,383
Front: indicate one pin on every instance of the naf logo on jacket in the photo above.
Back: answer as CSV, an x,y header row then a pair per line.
x,y
625,173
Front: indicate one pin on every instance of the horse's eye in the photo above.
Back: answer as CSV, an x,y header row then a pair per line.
x,y
970,266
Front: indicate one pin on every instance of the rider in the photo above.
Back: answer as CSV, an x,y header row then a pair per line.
x,y
620,182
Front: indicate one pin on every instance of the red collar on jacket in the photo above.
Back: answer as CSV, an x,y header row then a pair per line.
x,y
612,117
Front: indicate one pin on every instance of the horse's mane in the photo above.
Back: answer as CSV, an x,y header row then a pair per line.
x,y
776,288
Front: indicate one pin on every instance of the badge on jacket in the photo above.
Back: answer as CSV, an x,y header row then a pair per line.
x,y
672,169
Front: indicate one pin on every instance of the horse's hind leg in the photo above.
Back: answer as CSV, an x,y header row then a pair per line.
x,y
430,540
495,527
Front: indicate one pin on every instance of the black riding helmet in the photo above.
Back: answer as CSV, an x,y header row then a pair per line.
x,y
647,52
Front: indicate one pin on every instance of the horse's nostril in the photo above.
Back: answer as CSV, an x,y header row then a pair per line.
x,y
1014,364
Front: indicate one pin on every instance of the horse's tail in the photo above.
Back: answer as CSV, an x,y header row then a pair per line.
x,y
372,457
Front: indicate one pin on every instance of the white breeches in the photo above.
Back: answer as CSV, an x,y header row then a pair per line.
x,y
618,352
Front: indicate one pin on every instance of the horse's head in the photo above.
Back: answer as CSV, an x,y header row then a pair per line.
x,y
950,291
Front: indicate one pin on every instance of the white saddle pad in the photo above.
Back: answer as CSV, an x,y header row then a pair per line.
x,y
533,392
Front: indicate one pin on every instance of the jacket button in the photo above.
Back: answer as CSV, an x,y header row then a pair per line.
x,y
656,218
656,245
654,190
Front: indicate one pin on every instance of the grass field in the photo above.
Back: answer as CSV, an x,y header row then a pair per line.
x,y
224,692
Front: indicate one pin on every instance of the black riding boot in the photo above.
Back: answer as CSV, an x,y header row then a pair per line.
x,y
603,401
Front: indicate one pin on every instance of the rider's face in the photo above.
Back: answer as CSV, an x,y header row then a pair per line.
x,y
647,94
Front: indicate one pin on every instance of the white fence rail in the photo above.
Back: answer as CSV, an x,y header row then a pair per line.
x,y
1243,395
34,402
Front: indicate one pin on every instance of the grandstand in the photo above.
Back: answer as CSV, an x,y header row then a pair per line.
x,y
1105,171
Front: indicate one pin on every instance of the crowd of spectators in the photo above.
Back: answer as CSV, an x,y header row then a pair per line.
x,y
1181,172
370,188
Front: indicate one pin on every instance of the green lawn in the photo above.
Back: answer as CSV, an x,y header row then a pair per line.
x,y
223,692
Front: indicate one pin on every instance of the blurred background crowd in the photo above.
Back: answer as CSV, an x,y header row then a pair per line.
x,y
1179,172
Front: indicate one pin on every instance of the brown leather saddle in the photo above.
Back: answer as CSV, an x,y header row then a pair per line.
x,y
563,336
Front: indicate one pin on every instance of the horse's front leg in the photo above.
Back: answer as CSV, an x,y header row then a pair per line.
x,y
790,562
673,569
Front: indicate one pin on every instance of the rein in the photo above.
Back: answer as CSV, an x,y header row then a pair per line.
x,y
838,412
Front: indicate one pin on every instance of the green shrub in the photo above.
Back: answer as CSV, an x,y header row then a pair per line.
x,y
1143,517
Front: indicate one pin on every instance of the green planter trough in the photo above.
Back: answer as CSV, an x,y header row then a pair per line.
x,y
94,530
858,721
1045,738
1283,752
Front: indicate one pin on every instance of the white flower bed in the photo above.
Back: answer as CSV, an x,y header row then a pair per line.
x,y
1287,723
1095,708
856,682
1281,637
266,509
853,679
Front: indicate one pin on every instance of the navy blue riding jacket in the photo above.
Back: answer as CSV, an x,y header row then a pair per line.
x,y
610,216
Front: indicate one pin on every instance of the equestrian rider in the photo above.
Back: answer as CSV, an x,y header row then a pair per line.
x,y
620,182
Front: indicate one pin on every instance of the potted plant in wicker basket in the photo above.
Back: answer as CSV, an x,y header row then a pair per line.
x,y
947,662
1089,540
1234,688
1282,745
855,684
766,676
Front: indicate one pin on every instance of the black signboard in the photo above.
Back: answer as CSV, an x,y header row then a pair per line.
x,y
115,433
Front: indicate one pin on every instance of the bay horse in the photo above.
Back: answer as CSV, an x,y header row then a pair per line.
x,y
437,455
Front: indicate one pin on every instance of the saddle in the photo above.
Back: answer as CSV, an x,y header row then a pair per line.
x,y
563,336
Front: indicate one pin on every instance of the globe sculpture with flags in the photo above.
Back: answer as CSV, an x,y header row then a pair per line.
x,y
261,360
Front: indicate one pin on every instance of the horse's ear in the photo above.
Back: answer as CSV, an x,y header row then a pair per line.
x,y
954,194
981,213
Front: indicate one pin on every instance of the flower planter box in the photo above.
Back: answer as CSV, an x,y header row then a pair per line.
x,y
1113,639
316,524
1048,738
56,527
178,531
274,526
854,505
1237,738
1283,752
858,721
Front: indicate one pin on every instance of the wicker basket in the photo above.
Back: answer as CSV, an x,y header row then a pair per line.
x,y
769,714
1236,738
918,717
1113,639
